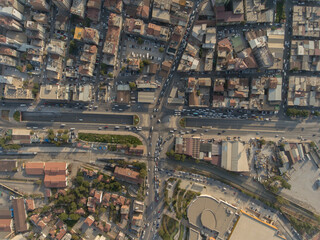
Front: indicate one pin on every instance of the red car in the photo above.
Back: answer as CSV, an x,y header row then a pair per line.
x,y
105,126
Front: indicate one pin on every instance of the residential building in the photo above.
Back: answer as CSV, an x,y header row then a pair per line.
x,y
57,47
63,4
54,92
161,11
190,59
88,59
78,7
305,21
88,35
304,91
157,32
11,12
199,92
110,48
113,5
8,61
20,215
224,16
40,5
10,24
258,11
12,88
134,26
234,156
30,204
94,10
127,175
9,52
305,55
12,3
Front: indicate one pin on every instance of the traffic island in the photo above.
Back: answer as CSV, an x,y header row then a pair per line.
x,y
182,122
136,120
17,116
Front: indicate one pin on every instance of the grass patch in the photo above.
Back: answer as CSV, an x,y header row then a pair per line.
x,y
280,11
5,115
136,119
109,138
17,116
182,122
181,232
303,227
169,227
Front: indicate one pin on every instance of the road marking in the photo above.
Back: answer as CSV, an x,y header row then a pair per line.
x,y
250,130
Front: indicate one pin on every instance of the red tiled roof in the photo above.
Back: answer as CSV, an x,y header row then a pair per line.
x,y
55,181
55,168
127,175
34,168
30,204
89,220
5,225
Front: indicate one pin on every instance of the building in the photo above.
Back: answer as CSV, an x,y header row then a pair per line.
x,y
20,215
34,168
146,97
258,11
10,24
214,215
55,181
110,48
304,91
55,168
30,204
78,7
258,229
63,4
224,16
11,12
57,47
113,5
12,3
93,10
161,11
134,26
12,88
138,206
8,166
127,175
55,92
40,5
305,21
234,156
87,35
123,94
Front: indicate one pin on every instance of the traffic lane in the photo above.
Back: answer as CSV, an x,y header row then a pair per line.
x,y
239,123
76,117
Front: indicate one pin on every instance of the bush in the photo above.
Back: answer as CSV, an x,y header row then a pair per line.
x,y
136,121
16,116
109,138
182,122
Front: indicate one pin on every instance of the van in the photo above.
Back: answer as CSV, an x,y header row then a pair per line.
x,y
62,125
72,129
116,127
23,105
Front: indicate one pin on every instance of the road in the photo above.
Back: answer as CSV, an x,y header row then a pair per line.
x,y
77,117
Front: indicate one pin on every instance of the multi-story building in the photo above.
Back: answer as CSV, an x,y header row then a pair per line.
x,y
40,5
63,4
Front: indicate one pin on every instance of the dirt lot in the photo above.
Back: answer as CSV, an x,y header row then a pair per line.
x,y
303,187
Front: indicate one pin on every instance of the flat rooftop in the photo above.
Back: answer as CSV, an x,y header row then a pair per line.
x,y
209,213
258,229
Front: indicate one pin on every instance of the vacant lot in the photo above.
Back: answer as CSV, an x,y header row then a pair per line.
x,y
5,115
303,187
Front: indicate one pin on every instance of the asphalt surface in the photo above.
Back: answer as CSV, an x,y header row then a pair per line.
x,y
76,117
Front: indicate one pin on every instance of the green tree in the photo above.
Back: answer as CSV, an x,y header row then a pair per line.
x,y
29,67
140,41
132,85
143,173
161,49
197,161
63,216
74,217
312,144
79,180
35,89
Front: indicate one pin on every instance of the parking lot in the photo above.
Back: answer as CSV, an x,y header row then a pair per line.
x,y
303,184
148,50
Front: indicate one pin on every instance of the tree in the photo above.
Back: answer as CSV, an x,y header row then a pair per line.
x,y
79,180
110,75
198,92
73,207
161,49
35,89
312,144
142,173
38,182
73,47
29,67
63,216
197,161
132,85
140,41
74,217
